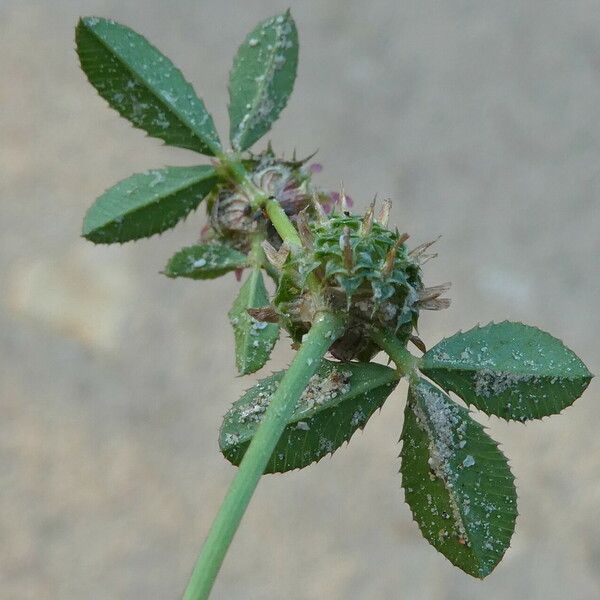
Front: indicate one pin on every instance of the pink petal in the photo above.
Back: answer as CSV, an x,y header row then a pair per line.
x,y
336,199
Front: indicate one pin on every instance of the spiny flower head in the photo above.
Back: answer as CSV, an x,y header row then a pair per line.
x,y
363,270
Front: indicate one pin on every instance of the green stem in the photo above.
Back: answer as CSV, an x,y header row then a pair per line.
x,y
326,328
284,227
405,362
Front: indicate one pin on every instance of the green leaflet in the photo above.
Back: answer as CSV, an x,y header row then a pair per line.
x,y
340,399
143,85
254,339
205,261
262,79
510,370
147,203
456,481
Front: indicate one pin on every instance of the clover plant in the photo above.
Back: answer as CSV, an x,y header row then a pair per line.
x,y
346,285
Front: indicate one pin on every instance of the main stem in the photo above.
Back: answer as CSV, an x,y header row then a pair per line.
x,y
325,330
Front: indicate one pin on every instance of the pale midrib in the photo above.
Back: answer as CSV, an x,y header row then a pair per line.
x,y
261,88
453,501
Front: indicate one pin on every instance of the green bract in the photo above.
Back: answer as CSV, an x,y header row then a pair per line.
x,y
345,285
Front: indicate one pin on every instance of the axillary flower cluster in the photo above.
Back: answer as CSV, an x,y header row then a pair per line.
x,y
357,267
349,264
232,208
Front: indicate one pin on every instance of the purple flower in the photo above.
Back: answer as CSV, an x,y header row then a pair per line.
x,y
334,199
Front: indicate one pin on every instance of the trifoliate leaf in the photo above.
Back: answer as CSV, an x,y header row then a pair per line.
x,y
456,482
147,203
262,79
510,370
143,85
340,398
205,261
254,339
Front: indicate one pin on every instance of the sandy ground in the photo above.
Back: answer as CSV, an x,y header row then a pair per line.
x,y
480,119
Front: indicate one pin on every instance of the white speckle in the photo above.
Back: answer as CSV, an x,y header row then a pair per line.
x,y
266,100
493,383
303,425
168,96
324,389
198,264
469,461
231,439
161,120
158,178
325,444
358,418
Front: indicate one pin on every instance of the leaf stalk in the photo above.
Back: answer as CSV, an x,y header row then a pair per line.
x,y
406,364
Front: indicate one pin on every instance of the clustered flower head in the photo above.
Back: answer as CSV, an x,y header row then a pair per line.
x,y
362,269
232,218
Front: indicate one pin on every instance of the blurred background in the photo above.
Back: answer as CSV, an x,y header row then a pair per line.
x,y
481,120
